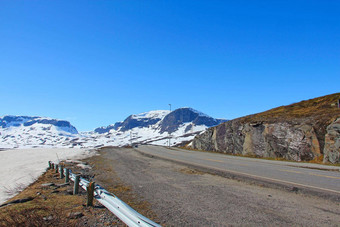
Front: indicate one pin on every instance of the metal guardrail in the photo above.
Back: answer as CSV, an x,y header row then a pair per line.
x,y
123,211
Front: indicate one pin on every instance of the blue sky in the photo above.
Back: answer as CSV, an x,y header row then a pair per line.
x,y
96,62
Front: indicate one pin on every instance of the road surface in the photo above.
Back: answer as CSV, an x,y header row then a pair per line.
x,y
278,172
179,195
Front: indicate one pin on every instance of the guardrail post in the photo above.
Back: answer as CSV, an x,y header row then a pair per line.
x,y
61,171
67,175
56,168
90,194
76,185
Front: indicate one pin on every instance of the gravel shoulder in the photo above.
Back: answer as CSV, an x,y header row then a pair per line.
x,y
176,195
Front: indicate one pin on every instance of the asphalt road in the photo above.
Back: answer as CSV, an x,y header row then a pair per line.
x,y
174,194
279,172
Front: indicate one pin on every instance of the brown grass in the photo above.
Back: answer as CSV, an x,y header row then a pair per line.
x,y
44,204
322,108
42,216
50,207
318,160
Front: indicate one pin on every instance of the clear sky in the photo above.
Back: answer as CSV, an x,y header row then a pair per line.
x,y
96,62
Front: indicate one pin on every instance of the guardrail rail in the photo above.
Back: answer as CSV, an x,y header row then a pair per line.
x,y
123,211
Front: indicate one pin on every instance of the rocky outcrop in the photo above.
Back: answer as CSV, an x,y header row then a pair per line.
x,y
301,132
283,140
332,143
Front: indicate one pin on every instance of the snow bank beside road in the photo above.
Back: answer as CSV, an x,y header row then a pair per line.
x,y
20,167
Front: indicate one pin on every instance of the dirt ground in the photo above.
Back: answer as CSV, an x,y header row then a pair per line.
x,y
175,195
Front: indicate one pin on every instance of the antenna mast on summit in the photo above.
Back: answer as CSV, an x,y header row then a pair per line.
x,y
169,132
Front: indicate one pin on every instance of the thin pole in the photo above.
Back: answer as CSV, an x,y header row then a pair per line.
x,y
169,132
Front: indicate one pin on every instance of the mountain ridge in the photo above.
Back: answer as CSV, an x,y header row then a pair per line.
x,y
32,131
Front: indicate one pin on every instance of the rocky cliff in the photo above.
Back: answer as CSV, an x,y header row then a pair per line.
x,y
302,131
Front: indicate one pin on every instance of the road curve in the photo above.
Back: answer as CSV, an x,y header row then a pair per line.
x,y
279,172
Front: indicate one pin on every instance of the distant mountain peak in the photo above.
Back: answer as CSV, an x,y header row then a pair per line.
x,y
180,116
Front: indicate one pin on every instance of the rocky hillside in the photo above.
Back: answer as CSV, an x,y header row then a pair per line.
x,y
300,131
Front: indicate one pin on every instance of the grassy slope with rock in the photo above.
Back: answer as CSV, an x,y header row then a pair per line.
x,y
319,112
277,133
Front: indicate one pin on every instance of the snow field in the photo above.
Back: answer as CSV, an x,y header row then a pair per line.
x,y
21,167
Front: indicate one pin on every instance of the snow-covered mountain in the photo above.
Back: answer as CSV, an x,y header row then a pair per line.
x,y
25,131
154,127
140,120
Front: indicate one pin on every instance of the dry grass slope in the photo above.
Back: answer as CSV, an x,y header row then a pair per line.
x,y
46,209
323,108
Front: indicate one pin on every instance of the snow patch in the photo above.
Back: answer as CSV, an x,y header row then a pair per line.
x,y
21,167
154,114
